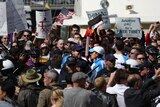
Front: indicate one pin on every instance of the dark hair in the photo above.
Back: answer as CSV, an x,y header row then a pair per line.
x,y
76,26
30,33
68,79
56,61
119,45
79,35
35,52
9,88
131,81
100,56
120,74
111,31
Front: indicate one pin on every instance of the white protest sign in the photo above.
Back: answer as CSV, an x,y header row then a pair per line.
x,y
6,19
106,22
3,22
19,15
10,18
43,23
128,27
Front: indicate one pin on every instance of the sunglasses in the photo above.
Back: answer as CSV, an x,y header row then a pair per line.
x,y
141,58
5,38
26,35
44,48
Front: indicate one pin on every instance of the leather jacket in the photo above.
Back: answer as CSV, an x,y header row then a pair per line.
x,y
109,100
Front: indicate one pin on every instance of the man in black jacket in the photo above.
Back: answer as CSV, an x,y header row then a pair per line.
x,y
109,100
139,95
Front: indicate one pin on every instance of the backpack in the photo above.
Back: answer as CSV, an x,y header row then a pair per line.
x,y
33,95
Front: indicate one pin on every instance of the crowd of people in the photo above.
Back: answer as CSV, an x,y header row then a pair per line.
x,y
53,72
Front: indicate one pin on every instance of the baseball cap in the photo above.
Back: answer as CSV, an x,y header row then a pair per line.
x,y
110,57
77,48
97,49
151,50
144,65
71,60
132,63
78,76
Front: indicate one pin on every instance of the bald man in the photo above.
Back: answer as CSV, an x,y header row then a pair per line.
x,y
139,95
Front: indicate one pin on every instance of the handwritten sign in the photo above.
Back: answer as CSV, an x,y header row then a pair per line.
x,y
43,23
128,27
103,13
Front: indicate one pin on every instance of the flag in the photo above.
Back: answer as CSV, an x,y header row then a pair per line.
x,y
63,15
96,22
89,32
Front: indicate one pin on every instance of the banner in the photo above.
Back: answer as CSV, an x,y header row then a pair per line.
x,y
104,13
12,18
128,27
43,23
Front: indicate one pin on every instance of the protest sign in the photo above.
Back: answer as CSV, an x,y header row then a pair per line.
x,y
19,15
104,13
11,18
43,23
128,27
3,18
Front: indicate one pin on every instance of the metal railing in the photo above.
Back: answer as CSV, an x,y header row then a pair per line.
x,y
54,4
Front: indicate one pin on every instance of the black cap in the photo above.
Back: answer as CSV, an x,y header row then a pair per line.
x,y
152,50
71,60
110,57
77,48
144,65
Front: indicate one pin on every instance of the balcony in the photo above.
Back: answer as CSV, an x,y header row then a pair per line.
x,y
54,4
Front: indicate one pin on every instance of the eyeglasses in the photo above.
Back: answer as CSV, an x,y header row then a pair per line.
x,y
26,35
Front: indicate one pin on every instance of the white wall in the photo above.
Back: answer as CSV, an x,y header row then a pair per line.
x,y
147,10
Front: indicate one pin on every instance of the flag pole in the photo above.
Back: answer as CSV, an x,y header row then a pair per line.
x,y
87,47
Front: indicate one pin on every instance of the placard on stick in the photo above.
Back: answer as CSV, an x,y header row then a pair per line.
x,y
43,23
128,27
104,13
